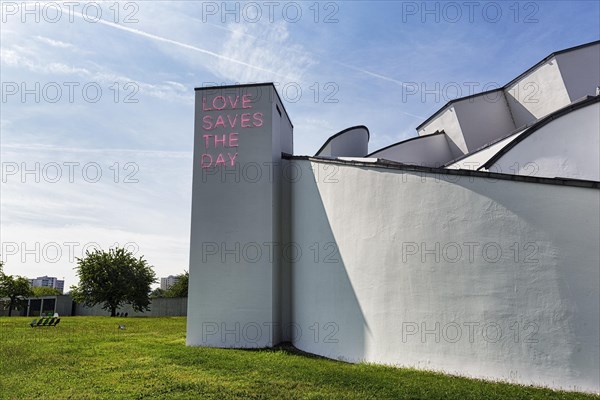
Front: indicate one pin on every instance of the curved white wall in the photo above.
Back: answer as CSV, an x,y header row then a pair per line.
x,y
568,147
352,142
381,278
430,150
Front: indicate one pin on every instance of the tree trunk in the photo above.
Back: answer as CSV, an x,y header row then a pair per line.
x,y
10,307
113,311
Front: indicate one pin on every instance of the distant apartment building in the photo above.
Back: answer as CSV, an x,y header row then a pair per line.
x,y
166,283
48,281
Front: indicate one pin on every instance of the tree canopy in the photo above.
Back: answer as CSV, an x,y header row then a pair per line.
x,y
14,288
113,279
180,288
158,292
40,291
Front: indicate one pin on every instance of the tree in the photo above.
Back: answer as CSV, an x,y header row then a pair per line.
x,y
41,291
158,292
180,288
113,278
15,288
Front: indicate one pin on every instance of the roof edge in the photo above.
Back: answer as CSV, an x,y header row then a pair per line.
x,y
385,164
530,69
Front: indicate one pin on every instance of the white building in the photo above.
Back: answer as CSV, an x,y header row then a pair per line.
x,y
166,283
471,249
542,123
48,281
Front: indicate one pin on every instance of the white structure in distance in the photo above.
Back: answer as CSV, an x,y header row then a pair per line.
x,y
48,281
167,282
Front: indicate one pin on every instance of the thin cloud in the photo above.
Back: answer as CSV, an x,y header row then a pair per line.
x,y
54,43
273,49
373,74
44,148
16,56
179,44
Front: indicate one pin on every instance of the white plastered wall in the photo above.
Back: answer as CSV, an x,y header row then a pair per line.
x,y
448,122
384,282
352,143
580,70
484,118
568,147
476,160
537,94
429,150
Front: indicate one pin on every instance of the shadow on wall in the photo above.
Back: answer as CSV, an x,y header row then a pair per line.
x,y
454,149
521,116
489,279
555,272
327,317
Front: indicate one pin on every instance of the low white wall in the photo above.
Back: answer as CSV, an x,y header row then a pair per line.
x,y
490,279
159,307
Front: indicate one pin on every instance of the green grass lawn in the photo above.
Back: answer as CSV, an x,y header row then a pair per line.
x,y
88,357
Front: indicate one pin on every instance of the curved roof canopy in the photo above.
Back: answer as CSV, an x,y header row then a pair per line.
x,y
351,142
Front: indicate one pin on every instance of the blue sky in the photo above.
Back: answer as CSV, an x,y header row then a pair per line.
x,y
99,108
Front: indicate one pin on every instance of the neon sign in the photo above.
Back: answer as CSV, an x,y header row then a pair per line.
x,y
226,144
